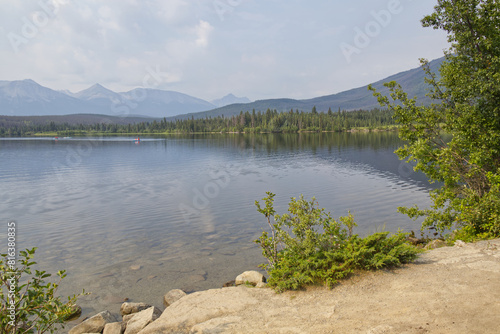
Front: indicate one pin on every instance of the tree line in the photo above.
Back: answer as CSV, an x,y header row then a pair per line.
x,y
292,121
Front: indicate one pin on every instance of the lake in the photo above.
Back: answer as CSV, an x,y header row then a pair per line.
x,y
133,220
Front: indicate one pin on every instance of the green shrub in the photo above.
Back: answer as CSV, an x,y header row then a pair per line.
x,y
30,305
307,246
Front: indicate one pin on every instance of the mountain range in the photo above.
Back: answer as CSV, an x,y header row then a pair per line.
x,y
28,98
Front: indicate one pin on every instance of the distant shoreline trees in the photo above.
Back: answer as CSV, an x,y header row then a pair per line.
x,y
270,121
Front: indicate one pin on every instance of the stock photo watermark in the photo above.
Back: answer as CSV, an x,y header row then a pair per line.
x,y
364,35
10,272
406,168
201,198
225,7
74,155
32,24
153,79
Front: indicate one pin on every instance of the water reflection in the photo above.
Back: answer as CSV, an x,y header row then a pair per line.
x,y
134,221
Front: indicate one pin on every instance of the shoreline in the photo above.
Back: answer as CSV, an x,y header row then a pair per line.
x,y
438,293
390,128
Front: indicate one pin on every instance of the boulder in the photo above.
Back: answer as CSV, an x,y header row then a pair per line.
x,y
435,244
460,243
172,296
94,324
215,325
113,328
252,277
127,317
142,319
417,241
202,306
129,308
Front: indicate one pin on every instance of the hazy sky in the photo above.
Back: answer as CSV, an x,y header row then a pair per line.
x,y
209,48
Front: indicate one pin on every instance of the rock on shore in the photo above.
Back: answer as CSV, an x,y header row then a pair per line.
x,y
94,324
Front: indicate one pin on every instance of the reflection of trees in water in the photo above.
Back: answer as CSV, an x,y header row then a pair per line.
x,y
293,141
373,149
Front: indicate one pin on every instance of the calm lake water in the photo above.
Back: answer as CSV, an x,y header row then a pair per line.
x,y
135,220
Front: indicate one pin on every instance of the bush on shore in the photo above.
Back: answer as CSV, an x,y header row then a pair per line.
x,y
307,246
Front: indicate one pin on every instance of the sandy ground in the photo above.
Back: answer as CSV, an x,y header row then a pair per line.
x,y
447,290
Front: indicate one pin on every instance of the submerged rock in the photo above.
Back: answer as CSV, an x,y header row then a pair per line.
x,y
129,308
76,312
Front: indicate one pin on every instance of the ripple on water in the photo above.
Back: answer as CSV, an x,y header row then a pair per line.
x,y
120,205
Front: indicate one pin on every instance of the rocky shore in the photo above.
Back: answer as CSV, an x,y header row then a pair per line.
x,y
447,290
137,316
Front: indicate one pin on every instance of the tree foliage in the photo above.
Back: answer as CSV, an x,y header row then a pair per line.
x,y
306,245
30,305
456,140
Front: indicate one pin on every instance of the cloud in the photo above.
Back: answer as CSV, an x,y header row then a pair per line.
x,y
260,60
203,30
259,49
172,11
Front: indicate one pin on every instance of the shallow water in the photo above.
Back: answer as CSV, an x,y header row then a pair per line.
x,y
133,220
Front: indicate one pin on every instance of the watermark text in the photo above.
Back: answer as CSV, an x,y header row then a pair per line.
x,y
11,277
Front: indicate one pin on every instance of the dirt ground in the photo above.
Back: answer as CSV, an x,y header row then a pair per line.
x,y
447,290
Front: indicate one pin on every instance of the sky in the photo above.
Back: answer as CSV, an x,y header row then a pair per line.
x,y
260,49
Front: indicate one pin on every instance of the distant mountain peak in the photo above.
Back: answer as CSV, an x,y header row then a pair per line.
x,y
67,92
97,91
229,99
29,81
97,85
26,89
24,83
